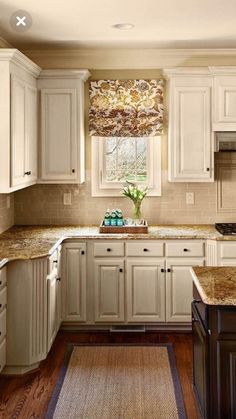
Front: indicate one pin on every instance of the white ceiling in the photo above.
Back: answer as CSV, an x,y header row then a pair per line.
x,y
158,24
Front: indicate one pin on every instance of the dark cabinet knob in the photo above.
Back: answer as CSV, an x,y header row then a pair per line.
x,y
208,169
29,173
168,270
73,170
186,250
0,282
162,270
121,270
108,250
59,279
145,250
0,305
82,252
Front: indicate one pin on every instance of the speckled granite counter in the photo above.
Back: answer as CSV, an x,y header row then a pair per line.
x,y
216,285
29,242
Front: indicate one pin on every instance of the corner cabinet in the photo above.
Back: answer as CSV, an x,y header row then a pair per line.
x,y
62,126
18,109
191,151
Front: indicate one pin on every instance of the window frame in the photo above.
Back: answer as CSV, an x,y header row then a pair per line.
x,y
102,188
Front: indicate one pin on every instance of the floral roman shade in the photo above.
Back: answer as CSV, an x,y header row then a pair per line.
x,y
126,108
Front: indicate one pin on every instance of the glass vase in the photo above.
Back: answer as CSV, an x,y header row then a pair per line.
x,y
137,211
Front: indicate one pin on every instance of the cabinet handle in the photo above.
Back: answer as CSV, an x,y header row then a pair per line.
x,y
208,169
145,250
186,250
0,305
196,301
73,170
121,270
29,173
108,250
82,252
168,270
0,282
59,279
162,270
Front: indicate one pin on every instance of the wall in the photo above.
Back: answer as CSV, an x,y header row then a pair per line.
x,y
6,214
43,204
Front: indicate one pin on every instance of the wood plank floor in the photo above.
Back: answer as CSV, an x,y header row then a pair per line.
x,y
28,397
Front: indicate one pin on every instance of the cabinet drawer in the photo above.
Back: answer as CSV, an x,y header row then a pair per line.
x,y
185,249
3,319
2,354
3,298
145,249
3,277
228,250
109,249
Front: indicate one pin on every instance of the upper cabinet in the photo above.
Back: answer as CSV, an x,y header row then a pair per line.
x,y
18,128
191,151
224,98
62,126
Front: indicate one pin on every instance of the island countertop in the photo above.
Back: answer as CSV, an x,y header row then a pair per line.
x,y
30,242
216,285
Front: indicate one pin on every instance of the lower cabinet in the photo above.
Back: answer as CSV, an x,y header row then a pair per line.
x,y
179,288
3,316
109,290
74,282
214,358
145,290
54,307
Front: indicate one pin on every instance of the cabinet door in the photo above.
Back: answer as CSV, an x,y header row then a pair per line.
x,y
74,282
224,103
179,289
59,134
31,133
190,137
200,362
18,145
109,290
145,290
52,310
226,377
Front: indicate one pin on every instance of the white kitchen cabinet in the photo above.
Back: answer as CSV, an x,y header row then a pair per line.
x,y
52,309
145,290
18,108
3,315
109,290
179,288
191,151
74,282
224,98
62,126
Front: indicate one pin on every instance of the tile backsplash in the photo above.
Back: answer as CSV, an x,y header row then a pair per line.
x,y
43,204
6,214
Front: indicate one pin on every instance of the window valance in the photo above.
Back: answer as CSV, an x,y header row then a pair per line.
x,y
121,108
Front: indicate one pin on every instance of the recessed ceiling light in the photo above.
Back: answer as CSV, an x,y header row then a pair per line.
x,y
123,26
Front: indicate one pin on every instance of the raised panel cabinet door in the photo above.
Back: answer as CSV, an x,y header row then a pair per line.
x,y
74,282
190,136
179,289
18,133
52,310
224,102
145,290
31,133
109,290
200,363
226,385
59,159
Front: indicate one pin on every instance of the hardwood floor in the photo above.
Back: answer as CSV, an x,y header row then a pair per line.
x,y
28,397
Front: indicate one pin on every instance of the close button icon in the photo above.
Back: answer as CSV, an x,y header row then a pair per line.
x,y
21,21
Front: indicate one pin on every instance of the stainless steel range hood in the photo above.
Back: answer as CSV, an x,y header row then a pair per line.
x,y
225,141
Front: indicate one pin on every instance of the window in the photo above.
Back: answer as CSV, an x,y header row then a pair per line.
x,y
117,159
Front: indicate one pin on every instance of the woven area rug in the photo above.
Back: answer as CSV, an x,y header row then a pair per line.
x,y
118,382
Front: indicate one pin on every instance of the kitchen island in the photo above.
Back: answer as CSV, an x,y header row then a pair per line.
x,y
214,340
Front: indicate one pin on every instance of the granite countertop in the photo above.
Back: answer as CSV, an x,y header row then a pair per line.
x,y
216,285
29,242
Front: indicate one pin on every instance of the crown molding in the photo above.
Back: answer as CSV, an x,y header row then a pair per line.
x,y
16,57
82,74
108,58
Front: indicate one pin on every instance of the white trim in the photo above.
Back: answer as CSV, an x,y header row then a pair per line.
x,y
102,190
16,57
65,74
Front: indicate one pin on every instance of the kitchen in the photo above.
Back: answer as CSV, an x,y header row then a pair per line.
x,y
63,279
